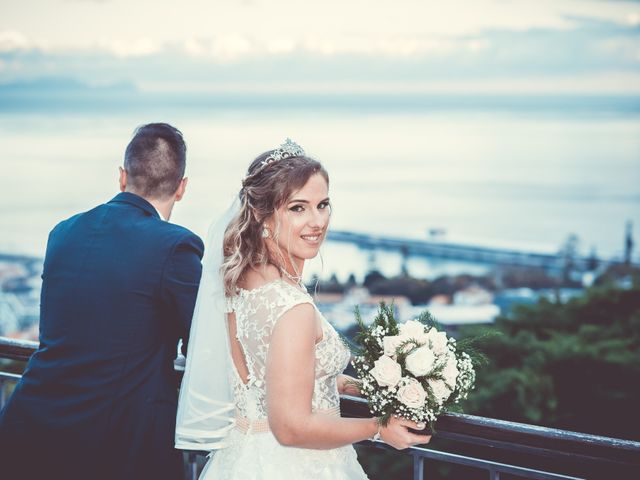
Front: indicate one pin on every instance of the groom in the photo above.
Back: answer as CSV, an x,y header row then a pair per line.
x,y
98,398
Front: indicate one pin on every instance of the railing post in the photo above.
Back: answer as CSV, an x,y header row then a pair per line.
x,y
2,393
418,467
193,466
494,474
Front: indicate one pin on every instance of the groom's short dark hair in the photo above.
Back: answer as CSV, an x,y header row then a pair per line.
x,y
155,160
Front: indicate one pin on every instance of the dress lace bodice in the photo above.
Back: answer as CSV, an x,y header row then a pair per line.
x,y
257,312
252,451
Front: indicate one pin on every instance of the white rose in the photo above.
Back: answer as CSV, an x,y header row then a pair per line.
x,y
386,371
450,371
391,343
414,330
440,390
420,361
412,394
438,341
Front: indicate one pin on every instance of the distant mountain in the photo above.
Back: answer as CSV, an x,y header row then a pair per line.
x,y
68,94
62,93
53,85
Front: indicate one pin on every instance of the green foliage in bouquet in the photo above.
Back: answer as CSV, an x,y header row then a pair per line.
x,y
367,344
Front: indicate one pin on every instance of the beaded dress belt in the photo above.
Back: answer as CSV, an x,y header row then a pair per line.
x,y
261,425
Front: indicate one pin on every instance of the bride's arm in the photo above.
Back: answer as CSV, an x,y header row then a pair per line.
x,y
290,383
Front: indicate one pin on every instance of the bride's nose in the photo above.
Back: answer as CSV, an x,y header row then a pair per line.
x,y
317,219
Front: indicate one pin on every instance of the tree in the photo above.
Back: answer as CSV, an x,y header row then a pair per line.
x,y
373,277
418,291
569,365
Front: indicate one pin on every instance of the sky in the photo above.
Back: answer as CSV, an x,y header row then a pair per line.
x,y
472,46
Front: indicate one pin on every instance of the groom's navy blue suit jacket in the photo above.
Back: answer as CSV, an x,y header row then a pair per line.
x,y
119,288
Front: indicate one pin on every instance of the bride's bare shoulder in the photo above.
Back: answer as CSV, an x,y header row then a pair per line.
x,y
256,278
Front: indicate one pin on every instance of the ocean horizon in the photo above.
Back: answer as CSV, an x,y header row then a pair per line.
x,y
523,171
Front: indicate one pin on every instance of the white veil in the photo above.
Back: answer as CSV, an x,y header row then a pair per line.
x,y
205,408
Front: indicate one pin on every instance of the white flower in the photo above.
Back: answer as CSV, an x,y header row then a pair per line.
x,y
411,393
450,371
391,343
386,371
414,330
420,361
438,341
440,390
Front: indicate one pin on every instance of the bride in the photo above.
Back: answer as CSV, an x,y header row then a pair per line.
x,y
263,376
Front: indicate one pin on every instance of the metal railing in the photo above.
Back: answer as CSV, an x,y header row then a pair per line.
x,y
542,453
496,446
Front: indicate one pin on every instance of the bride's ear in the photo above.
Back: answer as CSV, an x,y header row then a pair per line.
x,y
262,220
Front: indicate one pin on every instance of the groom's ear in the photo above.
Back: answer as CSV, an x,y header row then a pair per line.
x,y
181,188
123,179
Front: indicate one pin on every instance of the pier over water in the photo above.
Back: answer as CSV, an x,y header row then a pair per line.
x,y
552,263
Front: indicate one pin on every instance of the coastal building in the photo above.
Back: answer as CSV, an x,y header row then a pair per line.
x,y
339,309
471,306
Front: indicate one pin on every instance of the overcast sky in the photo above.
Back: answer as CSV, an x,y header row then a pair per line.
x,y
332,45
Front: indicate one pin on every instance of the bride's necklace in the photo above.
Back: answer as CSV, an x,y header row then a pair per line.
x,y
297,279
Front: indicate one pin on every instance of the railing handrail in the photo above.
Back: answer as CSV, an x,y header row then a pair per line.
x,y
17,349
550,443
521,437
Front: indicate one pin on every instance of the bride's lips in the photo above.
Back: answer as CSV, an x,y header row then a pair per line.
x,y
312,238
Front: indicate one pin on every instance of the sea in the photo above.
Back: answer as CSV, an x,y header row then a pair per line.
x,y
523,173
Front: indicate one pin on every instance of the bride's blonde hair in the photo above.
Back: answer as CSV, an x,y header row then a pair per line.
x,y
266,188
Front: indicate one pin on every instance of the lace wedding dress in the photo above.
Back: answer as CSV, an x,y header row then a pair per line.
x,y
253,452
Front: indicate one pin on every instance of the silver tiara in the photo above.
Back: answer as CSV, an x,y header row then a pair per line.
x,y
288,149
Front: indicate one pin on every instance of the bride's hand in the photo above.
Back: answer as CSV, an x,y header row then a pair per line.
x,y
347,385
397,433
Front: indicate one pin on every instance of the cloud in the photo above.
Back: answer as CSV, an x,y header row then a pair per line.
x,y
140,47
13,41
575,42
390,46
589,53
221,48
280,46
633,19
234,48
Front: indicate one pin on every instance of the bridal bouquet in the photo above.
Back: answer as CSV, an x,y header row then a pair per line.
x,y
410,369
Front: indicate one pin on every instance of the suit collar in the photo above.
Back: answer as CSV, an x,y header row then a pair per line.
x,y
138,201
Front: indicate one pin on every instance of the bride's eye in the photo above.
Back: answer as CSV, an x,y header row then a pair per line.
x,y
296,208
324,205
